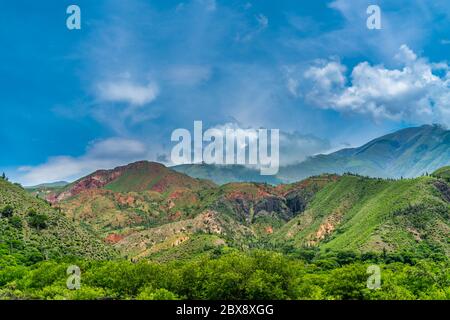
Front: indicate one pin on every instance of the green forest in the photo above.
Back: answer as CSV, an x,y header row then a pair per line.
x,y
229,274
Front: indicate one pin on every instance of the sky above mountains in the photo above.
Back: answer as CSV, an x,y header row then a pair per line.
x,y
74,101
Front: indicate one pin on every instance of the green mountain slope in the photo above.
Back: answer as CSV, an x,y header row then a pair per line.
x,y
364,214
442,173
45,189
31,230
57,184
147,222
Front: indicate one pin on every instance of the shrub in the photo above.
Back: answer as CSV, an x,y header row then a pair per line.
x,y
16,222
7,211
160,294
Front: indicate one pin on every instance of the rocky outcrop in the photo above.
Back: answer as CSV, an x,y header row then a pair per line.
x,y
247,210
272,205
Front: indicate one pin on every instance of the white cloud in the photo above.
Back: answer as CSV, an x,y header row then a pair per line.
x,y
413,92
116,147
294,146
406,55
127,92
104,154
328,77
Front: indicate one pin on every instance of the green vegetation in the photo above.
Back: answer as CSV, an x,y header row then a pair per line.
x,y
229,274
32,231
6,212
442,173
165,235
43,190
142,176
364,214
36,220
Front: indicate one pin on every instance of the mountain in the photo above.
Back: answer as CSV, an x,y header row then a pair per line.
x,y
31,230
44,189
57,184
326,230
409,152
222,174
372,215
151,224
147,211
138,176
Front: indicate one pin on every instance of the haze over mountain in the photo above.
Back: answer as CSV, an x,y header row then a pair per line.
x,y
222,174
410,152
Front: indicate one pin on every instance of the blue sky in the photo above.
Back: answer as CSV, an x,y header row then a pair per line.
x,y
112,92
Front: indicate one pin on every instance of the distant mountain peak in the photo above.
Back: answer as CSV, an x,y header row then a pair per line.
x,y
409,152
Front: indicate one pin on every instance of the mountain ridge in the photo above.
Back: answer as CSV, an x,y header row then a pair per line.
x,y
326,211
145,209
410,152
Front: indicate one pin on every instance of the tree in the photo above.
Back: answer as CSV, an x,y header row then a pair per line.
x,y
7,212
36,220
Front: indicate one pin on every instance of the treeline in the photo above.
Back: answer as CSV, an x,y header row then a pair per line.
x,y
228,274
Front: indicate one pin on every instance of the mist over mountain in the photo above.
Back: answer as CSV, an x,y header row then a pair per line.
x,y
222,174
408,153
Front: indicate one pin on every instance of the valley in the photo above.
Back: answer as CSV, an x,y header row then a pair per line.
x,y
145,210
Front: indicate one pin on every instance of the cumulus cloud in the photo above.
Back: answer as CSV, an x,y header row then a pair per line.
x,y
294,146
127,92
103,154
417,91
328,77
